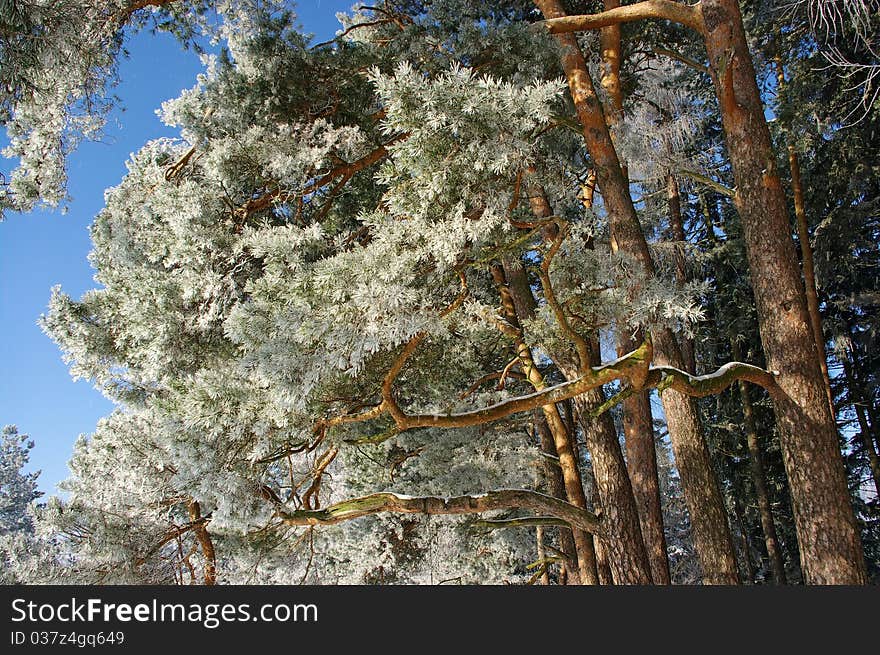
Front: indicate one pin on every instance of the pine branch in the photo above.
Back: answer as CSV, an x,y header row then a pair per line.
x,y
433,505
699,386
632,367
521,522
709,182
688,15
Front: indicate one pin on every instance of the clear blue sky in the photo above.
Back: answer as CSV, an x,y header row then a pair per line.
x,y
42,249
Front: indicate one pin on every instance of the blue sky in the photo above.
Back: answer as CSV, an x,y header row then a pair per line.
x,y
45,248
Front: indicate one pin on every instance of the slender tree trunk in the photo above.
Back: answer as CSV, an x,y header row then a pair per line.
x,y
831,551
744,537
638,422
872,416
623,541
759,478
571,475
871,410
857,398
557,489
542,555
709,519
706,210
676,222
861,388
803,232
809,270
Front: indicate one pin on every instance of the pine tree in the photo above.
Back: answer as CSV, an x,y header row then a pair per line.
x,y
378,307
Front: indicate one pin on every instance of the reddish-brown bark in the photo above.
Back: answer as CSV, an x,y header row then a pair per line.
x,y
711,533
556,488
563,440
623,544
830,548
638,422
759,479
641,460
205,543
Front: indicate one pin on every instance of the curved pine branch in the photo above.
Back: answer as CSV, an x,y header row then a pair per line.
x,y
501,499
632,368
698,386
688,15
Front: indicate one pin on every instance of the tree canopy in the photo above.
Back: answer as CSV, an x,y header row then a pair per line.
x,y
398,307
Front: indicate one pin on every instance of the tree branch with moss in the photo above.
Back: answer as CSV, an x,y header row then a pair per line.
x,y
502,499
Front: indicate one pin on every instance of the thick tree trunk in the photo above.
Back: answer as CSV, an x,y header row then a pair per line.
x,y
831,552
602,565
759,479
609,44
702,494
641,456
711,533
623,541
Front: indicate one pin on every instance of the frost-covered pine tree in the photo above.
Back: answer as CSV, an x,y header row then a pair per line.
x,y
336,315
18,491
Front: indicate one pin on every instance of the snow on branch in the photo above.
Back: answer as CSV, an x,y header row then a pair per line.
x,y
632,367
688,15
344,173
698,386
472,504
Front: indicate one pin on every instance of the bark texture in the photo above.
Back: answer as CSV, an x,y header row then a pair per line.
x,y
711,532
759,480
623,541
623,545
206,545
354,508
557,489
641,455
604,568
830,548
563,440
